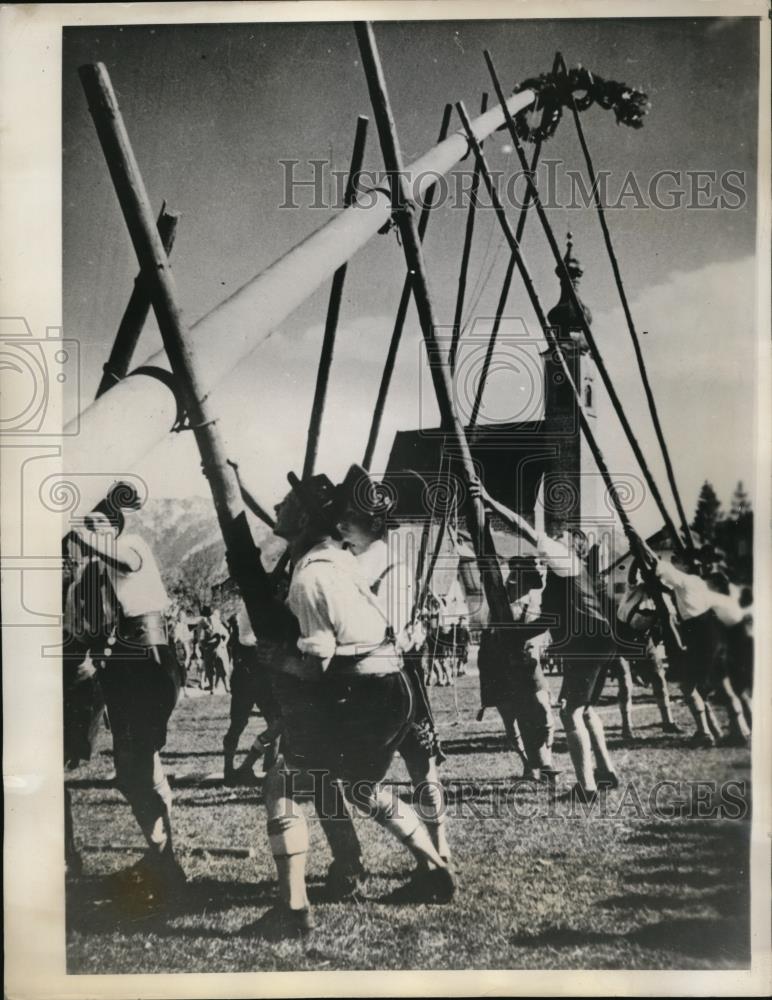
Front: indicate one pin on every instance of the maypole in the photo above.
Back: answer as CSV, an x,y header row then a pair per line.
x,y
248,316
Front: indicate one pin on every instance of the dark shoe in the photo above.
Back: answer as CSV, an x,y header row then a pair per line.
x,y
151,882
671,727
628,734
343,884
701,741
606,779
736,740
240,777
427,885
293,923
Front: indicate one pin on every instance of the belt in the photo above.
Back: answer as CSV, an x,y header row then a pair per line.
x,y
144,630
380,659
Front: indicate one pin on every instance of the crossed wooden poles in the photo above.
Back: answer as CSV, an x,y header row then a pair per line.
x,y
199,360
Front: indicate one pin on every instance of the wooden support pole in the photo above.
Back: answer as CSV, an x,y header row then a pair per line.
x,y
232,330
403,208
465,255
633,538
242,554
503,297
687,534
581,321
135,315
399,322
333,310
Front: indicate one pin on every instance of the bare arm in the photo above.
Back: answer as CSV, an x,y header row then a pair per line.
x,y
110,549
521,526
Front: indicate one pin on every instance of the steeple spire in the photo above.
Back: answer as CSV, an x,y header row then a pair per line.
x,y
564,315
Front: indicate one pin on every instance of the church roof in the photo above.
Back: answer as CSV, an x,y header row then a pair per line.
x,y
510,458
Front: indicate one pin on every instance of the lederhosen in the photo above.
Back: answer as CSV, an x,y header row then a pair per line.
x,y
421,736
350,720
141,680
508,671
581,635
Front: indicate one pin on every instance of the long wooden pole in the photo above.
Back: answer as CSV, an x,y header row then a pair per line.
x,y
466,253
403,208
399,322
135,315
231,331
633,538
582,323
648,392
503,298
242,554
333,311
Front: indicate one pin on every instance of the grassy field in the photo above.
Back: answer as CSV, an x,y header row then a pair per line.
x,y
632,885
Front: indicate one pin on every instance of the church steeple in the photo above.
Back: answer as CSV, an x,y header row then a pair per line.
x,y
569,477
564,316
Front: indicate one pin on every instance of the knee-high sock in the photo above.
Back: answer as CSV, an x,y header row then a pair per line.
x,y
579,747
400,819
661,693
696,706
287,836
336,820
141,778
737,722
428,798
598,740
625,696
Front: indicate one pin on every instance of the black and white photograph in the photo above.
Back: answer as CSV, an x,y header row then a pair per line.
x,y
386,499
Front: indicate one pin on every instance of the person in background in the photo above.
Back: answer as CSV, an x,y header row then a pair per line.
x,y
250,688
584,640
213,642
141,679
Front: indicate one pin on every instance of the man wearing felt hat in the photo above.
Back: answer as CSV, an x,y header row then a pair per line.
x,y
345,701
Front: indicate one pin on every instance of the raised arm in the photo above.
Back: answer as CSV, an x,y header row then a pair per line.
x,y
111,550
521,526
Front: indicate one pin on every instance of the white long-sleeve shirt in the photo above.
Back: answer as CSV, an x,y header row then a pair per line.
x,y
332,603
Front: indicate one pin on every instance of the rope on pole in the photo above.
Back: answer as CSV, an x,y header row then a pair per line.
x,y
629,317
333,310
581,321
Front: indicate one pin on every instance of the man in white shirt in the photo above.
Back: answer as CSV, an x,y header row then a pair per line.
x,y
362,524
141,681
698,668
344,700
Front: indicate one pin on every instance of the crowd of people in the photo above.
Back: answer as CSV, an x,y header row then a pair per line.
x,y
335,660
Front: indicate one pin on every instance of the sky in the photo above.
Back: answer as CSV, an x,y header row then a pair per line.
x,y
213,110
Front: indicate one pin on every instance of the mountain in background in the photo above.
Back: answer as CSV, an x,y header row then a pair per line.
x,y
186,540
